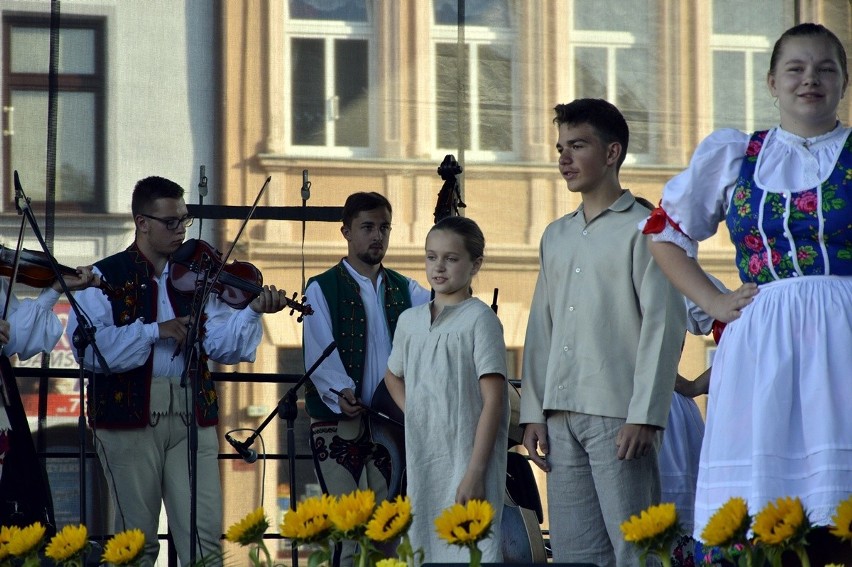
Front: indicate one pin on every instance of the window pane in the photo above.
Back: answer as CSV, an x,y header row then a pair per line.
x,y
447,99
611,15
491,13
351,88
75,146
345,10
589,72
308,88
495,97
729,97
30,50
632,96
748,18
765,113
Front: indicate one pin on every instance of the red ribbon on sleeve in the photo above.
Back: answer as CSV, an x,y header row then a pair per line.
x,y
657,221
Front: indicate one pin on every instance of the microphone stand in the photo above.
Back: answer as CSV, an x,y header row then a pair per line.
x,y
193,350
189,382
288,410
83,336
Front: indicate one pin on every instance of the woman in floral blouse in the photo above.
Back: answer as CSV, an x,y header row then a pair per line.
x,y
778,419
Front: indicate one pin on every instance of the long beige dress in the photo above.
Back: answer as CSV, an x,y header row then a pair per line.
x,y
441,364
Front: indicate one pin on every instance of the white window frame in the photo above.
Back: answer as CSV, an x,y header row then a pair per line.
x,y
750,46
329,31
611,42
475,36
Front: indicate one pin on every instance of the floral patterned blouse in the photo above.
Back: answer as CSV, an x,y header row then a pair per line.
x,y
792,233
785,199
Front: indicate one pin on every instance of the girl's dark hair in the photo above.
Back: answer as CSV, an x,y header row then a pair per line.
x,y
474,240
601,115
150,189
808,30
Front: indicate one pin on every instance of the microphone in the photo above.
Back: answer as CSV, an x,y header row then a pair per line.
x,y
202,182
248,455
306,186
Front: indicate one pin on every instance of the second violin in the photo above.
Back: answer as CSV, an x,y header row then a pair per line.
x,y
238,284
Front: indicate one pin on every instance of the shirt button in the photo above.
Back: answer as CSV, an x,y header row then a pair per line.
x,y
571,308
565,348
577,270
585,232
561,387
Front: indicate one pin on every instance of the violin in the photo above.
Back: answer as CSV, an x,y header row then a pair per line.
x,y
34,269
239,283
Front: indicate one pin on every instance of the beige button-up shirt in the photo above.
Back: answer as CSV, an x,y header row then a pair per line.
x,y
606,327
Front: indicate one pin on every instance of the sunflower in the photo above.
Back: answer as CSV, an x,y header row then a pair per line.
x,y
843,520
653,530
309,522
391,519
352,511
26,540
68,542
728,526
6,535
391,562
781,523
250,529
650,524
124,548
465,524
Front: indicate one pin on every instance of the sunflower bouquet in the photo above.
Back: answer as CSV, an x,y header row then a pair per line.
x,y
326,520
781,527
466,525
653,531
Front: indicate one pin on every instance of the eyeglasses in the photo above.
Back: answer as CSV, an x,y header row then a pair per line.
x,y
172,224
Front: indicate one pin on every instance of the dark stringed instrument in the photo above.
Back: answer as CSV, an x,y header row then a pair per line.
x,y
238,284
34,269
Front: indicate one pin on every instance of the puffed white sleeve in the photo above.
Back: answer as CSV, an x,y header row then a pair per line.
x,y
695,201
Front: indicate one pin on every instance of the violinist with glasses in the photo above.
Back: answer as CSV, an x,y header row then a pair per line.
x,y
140,412
27,327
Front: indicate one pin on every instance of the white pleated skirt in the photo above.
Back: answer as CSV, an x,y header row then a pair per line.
x,y
779,415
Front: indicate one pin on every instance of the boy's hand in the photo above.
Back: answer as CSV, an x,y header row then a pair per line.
x,y
634,441
535,438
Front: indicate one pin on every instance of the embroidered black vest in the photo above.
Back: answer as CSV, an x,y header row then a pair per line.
x,y
349,325
122,400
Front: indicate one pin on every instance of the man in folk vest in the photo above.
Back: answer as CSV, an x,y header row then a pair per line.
x,y
139,412
356,304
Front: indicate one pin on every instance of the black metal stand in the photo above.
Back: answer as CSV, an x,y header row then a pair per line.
x,y
287,410
83,336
